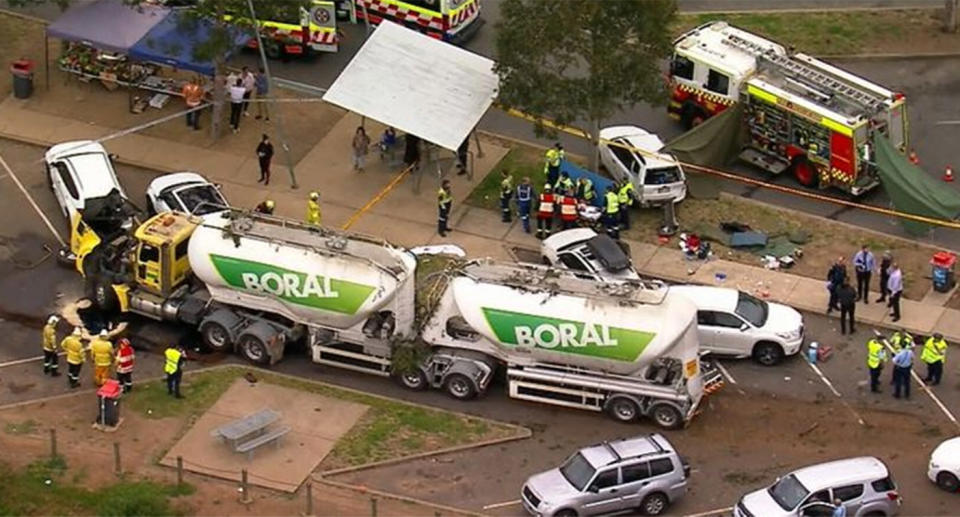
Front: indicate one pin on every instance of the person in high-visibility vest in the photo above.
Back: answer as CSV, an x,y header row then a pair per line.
x,y
564,185
102,351
444,204
545,212
313,208
876,356
625,196
524,199
585,190
506,194
125,364
568,210
265,207
934,355
551,166
51,363
898,341
173,367
611,213
76,355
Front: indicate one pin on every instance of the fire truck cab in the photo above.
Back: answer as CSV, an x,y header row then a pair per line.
x,y
803,116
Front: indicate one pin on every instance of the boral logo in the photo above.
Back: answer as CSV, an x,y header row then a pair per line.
x,y
316,291
567,336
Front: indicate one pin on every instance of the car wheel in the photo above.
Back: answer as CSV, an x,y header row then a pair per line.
x,y
767,354
623,409
413,380
948,482
566,513
654,504
460,387
666,416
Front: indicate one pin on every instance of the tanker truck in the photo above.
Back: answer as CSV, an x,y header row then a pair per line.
x,y
252,283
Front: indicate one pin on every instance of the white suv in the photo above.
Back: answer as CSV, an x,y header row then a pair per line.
x,y
734,323
79,172
945,465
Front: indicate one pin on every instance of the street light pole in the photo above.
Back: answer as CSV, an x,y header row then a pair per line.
x,y
272,88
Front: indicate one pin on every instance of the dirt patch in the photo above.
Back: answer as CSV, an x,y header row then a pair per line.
x,y
22,38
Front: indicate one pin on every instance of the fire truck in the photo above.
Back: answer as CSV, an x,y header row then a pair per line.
x,y
803,116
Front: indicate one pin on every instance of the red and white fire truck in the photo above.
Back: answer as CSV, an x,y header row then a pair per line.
x,y
804,116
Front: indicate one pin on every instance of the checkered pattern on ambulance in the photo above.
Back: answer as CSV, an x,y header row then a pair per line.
x,y
462,11
398,11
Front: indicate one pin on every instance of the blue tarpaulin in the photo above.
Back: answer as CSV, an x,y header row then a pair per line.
x,y
600,183
172,42
107,24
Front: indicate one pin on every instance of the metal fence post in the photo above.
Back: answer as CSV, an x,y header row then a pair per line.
x,y
308,512
244,488
179,471
373,507
53,443
116,458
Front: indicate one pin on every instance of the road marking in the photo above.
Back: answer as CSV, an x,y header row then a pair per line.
x,y
718,511
948,122
21,361
502,505
32,202
916,377
726,374
835,392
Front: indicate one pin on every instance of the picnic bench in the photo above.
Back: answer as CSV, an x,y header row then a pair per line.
x,y
248,433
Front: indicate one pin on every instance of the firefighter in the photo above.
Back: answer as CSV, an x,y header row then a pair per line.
x,y
585,190
173,368
552,160
102,351
564,185
76,355
125,364
524,198
625,196
876,356
51,363
265,207
313,208
568,209
506,194
444,203
611,213
545,212
934,354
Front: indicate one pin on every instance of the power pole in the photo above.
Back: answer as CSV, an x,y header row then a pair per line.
x,y
950,16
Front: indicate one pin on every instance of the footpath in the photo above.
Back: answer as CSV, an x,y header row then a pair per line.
x,y
406,215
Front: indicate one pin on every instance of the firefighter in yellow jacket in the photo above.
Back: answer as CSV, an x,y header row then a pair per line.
x,y
76,355
102,351
313,208
51,363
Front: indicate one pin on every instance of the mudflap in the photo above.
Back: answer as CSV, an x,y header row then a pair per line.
x,y
712,377
275,347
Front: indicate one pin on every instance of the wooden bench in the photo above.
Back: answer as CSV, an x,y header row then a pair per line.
x,y
263,439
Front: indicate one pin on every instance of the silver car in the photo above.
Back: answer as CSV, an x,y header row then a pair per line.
x,y
643,473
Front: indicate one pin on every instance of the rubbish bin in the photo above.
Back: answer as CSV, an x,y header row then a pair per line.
x,y
22,70
108,404
943,264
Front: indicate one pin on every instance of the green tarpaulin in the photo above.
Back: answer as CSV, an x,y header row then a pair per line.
x,y
715,143
911,189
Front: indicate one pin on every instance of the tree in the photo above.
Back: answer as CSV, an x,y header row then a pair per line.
x,y
950,16
582,60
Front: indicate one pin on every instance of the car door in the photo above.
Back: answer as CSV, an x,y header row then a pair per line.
x,y
603,493
851,496
69,190
818,504
148,267
635,480
622,160
728,333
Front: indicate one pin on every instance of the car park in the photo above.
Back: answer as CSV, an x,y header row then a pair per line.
x,y
642,473
863,485
734,323
592,255
186,192
634,154
944,467
80,172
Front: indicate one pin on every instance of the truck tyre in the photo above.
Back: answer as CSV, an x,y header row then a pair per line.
x,y
103,296
622,409
692,116
413,380
654,504
215,336
948,482
460,387
804,172
272,49
666,416
253,349
767,354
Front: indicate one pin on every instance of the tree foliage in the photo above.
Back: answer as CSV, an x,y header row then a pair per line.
x,y
582,60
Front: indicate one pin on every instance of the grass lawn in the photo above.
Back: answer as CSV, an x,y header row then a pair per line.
x,y
49,488
21,39
389,429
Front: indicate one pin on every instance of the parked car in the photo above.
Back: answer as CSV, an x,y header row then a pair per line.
x,y
945,465
862,484
644,473
657,177
592,255
186,192
79,172
737,324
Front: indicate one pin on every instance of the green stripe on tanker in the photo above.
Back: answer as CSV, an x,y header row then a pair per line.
x,y
316,291
572,337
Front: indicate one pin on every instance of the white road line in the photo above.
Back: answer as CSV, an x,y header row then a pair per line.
x,y
21,361
502,505
916,377
835,392
726,374
948,122
718,511
32,202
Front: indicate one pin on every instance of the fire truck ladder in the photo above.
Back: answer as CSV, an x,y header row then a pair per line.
x,y
862,97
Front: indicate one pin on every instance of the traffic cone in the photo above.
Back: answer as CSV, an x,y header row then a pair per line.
x,y
914,159
948,174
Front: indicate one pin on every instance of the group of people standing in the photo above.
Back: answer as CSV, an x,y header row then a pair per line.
x,y
901,347
844,297
241,89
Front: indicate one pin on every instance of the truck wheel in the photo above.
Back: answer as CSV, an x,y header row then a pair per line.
x,y
215,336
692,117
460,387
767,354
623,409
654,504
253,349
103,295
666,416
413,380
271,49
805,173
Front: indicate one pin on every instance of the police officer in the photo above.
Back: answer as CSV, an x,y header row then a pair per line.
x,y
444,203
313,208
900,340
506,194
934,354
545,212
173,368
265,207
625,196
876,356
524,198
585,190
552,160
902,363
611,213
51,363
76,355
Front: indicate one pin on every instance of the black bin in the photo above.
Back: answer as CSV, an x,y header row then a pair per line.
x,y
22,71
108,404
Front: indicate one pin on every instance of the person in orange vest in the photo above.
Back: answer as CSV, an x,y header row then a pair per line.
x,y
568,210
125,364
545,212
914,159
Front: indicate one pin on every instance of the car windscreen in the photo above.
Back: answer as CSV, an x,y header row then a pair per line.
x,y
577,471
788,492
662,175
752,309
201,199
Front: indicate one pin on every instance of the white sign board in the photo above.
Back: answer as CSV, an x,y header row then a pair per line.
x,y
417,84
